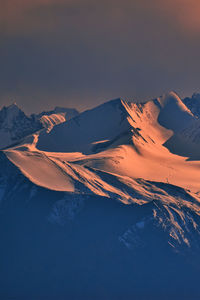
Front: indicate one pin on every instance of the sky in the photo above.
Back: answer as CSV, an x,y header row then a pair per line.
x,y
80,53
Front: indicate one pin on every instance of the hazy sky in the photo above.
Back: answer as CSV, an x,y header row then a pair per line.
x,y
80,53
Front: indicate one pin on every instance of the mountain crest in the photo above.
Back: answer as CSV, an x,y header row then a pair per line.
x,y
13,105
174,114
172,99
11,108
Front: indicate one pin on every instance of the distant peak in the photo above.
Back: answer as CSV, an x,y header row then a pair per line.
x,y
171,102
170,95
114,102
12,107
11,110
59,109
196,96
173,93
14,104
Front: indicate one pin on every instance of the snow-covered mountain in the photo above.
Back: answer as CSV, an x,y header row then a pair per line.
x,y
110,204
54,117
193,104
16,125
68,112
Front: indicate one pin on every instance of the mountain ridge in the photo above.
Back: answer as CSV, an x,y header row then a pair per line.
x,y
15,125
110,138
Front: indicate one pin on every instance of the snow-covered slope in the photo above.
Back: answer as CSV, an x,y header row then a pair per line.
x,y
69,113
79,246
84,131
117,122
186,141
174,114
54,117
172,208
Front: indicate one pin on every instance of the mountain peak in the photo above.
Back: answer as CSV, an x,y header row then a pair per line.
x,y
169,98
196,96
12,106
10,112
193,104
174,114
99,125
112,102
59,109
